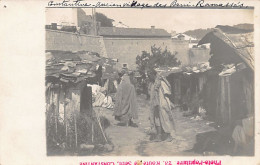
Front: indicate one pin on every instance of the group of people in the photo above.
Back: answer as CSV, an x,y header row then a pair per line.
x,y
160,113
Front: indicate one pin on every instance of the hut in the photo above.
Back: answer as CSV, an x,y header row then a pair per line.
x,y
229,92
186,85
70,119
233,59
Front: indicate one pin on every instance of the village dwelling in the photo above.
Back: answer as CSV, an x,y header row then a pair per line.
x,y
193,42
220,91
71,79
187,83
181,36
232,56
196,53
229,92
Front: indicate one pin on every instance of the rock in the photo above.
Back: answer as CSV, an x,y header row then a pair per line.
x,y
108,147
86,147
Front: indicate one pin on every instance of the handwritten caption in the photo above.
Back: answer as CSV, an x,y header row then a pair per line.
x,y
188,162
139,4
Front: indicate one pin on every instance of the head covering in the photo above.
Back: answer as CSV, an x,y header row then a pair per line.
x,y
125,106
125,79
122,73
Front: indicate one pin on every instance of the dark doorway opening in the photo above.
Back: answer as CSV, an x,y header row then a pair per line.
x,y
86,101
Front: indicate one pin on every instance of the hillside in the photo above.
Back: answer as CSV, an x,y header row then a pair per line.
x,y
199,33
245,26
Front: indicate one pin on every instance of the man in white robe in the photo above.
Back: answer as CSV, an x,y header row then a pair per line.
x,y
161,116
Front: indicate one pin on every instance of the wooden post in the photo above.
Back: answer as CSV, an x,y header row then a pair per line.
x,y
51,102
217,99
65,115
75,127
229,104
76,110
92,132
65,121
54,106
98,119
222,98
57,110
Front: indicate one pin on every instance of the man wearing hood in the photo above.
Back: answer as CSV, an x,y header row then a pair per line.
x,y
126,105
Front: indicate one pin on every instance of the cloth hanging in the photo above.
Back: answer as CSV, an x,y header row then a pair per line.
x,y
108,103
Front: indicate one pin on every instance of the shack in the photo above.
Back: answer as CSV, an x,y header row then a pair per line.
x,y
70,119
229,91
186,84
233,59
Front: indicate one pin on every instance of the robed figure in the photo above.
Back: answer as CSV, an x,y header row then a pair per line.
x,y
161,115
125,109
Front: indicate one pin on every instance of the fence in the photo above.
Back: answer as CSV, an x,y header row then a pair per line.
x,y
66,126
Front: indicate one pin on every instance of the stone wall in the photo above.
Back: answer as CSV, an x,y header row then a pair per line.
x,y
124,49
199,55
67,41
127,49
182,49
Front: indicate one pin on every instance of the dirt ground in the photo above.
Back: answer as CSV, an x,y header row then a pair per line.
x,y
130,141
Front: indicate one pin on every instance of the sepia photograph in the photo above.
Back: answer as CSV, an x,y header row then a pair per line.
x,y
149,82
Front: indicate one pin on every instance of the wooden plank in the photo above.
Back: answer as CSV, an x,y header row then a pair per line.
x,y
76,105
222,98
57,109
228,99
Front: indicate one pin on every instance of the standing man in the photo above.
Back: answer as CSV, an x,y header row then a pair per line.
x,y
161,117
126,105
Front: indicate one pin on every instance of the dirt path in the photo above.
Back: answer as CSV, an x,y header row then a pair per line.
x,y
129,141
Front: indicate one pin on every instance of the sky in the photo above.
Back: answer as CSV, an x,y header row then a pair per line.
x,y
179,20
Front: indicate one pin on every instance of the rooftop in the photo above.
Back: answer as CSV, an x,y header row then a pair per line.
x,y
75,67
241,42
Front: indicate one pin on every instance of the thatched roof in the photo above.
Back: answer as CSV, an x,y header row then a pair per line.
x,y
241,43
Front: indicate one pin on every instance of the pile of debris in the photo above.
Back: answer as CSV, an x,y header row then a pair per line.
x,y
198,68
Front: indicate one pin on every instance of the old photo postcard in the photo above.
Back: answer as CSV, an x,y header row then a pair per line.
x,y
129,83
